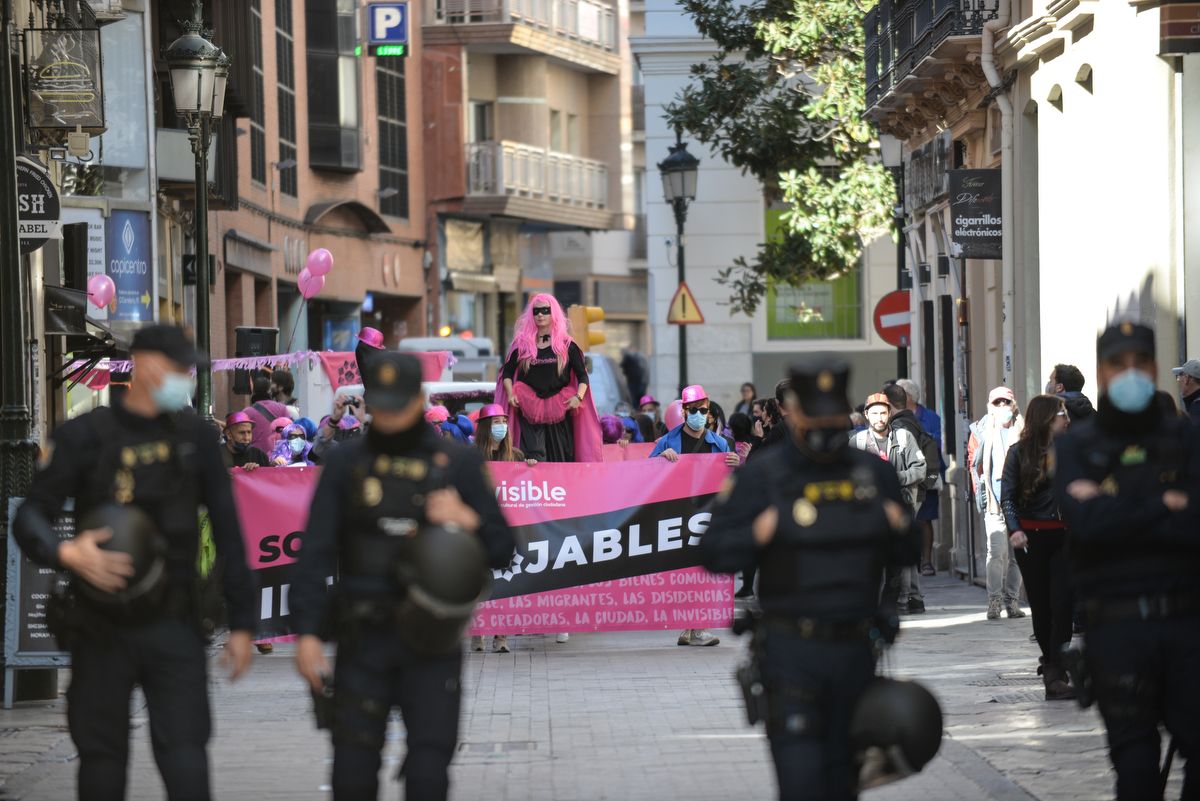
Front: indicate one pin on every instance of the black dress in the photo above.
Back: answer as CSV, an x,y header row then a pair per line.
x,y
547,442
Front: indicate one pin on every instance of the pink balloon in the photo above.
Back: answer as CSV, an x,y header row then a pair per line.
x,y
101,290
310,285
320,262
673,416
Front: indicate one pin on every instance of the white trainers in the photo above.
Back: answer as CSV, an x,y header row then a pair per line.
x,y
704,637
477,643
560,639
685,637
500,644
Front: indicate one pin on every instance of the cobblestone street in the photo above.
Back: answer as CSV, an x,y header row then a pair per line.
x,y
631,716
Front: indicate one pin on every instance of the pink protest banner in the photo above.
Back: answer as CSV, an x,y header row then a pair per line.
x,y
608,546
342,368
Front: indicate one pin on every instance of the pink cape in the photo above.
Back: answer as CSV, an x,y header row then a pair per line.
x,y
585,423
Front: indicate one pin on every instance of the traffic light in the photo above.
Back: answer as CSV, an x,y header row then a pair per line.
x,y
582,318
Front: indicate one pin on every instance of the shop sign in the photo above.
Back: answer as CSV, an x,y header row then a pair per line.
x,y
64,81
976,213
39,214
127,245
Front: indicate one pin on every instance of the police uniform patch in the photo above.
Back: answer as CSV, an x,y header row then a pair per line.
x,y
128,457
812,493
804,513
372,491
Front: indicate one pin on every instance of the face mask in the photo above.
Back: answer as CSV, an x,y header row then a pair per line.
x,y
174,393
1131,391
499,431
296,445
1003,414
696,421
241,447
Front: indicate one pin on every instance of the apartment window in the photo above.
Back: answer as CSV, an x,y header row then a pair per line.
x,y
258,132
480,122
556,131
573,144
391,99
639,190
285,80
333,85
816,309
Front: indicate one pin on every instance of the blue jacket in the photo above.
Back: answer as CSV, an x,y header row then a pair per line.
x,y
673,439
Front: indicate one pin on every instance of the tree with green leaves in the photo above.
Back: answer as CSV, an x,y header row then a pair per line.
x,y
783,98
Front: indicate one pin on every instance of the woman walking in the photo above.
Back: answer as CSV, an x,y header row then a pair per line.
x,y
1038,536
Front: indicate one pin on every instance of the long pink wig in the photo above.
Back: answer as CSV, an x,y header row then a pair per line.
x,y
525,333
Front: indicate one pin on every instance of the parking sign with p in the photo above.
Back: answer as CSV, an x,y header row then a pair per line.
x,y
387,27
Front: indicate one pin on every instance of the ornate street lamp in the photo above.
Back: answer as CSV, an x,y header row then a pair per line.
x,y
680,171
199,72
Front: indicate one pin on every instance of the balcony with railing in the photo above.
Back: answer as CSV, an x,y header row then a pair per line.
x,y
517,180
916,53
582,33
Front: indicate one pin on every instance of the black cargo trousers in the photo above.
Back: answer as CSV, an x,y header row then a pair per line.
x,y
375,671
168,659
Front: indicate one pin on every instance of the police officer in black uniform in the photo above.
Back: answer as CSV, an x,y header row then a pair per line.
x,y
140,461
822,521
1128,485
378,496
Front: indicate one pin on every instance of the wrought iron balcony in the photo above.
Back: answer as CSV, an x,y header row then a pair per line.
x,y
902,34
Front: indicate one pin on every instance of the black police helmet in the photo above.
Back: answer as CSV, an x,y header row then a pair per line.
x,y
896,730
134,533
448,564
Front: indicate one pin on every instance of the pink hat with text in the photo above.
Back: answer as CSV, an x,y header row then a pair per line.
x,y
693,393
492,410
372,337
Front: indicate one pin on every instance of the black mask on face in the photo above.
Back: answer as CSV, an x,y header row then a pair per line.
x,y
240,447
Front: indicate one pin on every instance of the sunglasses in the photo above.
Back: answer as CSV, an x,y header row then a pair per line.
x,y
295,436
541,311
700,409
1002,402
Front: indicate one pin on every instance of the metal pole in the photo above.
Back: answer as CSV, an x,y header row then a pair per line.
x,y
200,136
680,218
898,219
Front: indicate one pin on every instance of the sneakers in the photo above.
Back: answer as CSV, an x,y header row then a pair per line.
x,y
994,608
928,570
704,637
685,637
499,644
477,643
560,639
916,606
1013,609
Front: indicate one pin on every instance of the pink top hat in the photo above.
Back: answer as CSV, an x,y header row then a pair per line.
x,y
371,337
492,410
236,418
693,393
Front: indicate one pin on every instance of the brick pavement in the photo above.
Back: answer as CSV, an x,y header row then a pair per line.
x,y
630,716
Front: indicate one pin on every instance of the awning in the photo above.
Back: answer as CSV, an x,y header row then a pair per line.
x,y
473,282
245,252
370,219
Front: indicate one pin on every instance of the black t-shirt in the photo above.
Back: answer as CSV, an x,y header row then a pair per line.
x,y
251,454
543,376
692,444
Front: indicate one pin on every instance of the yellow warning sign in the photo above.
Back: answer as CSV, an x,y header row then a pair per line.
x,y
683,309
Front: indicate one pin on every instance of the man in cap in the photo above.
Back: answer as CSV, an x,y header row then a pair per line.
x,y
1188,375
1128,485
987,448
238,450
376,496
693,436
143,452
823,521
897,446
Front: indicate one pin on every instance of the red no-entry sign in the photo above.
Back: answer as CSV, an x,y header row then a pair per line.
x,y
893,320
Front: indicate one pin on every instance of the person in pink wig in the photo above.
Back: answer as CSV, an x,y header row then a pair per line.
x,y
544,385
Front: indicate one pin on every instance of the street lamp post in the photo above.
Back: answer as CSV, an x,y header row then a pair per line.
x,y
891,152
199,72
680,171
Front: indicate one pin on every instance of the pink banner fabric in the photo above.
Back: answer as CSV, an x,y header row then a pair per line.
x,y
610,546
342,368
432,363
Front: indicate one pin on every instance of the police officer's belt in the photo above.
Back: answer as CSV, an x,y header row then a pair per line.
x,y
808,628
1144,607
